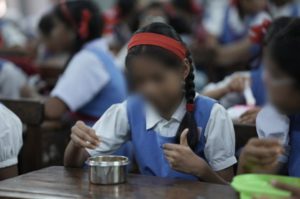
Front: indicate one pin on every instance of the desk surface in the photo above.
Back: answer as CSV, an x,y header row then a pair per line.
x,y
59,182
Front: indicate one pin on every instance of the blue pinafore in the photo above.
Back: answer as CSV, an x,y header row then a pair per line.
x,y
147,144
257,86
294,153
115,91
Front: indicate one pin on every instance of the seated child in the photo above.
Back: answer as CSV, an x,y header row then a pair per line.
x,y
175,132
10,142
91,82
282,77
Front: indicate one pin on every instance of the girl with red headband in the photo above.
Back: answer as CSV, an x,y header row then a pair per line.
x,y
91,82
175,132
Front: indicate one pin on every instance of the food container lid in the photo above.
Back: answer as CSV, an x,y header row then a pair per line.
x,y
260,184
108,160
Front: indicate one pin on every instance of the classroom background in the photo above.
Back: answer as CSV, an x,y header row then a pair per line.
x,y
225,37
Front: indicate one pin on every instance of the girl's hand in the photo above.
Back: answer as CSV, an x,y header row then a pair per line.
x,y
237,84
260,155
182,158
295,191
83,136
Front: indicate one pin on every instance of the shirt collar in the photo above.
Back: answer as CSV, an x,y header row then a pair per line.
x,y
153,118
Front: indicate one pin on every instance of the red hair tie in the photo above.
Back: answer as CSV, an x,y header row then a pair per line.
x,y
190,107
159,40
84,24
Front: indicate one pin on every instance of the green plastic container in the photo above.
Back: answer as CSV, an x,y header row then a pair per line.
x,y
256,185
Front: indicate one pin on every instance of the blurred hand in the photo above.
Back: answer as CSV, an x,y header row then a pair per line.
x,y
249,117
295,191
83,136
260,155
237,84
182,158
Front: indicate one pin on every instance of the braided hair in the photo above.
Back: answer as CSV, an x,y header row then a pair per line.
x,y
169,59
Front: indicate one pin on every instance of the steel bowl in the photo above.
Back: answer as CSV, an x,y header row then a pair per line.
x,y
107,169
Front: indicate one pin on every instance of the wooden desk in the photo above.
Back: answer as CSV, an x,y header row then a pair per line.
x,y
58,182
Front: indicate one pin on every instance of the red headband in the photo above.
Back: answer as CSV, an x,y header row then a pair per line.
x,y
159,40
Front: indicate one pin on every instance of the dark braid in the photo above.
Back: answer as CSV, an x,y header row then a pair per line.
x,y
171,60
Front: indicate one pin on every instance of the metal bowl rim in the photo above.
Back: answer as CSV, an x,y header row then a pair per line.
x,y
92,162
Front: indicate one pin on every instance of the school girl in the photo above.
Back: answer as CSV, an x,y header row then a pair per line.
x,y
175,132
282,77
228,28
91,81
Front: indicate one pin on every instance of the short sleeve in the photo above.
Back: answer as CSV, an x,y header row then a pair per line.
x,y
220,140
112,129
280,124
84,77
10,137
214,17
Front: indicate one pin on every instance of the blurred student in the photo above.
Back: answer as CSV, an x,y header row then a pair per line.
x,y
10,142
228,32
282,77
91,82
175,132
12,80
231,91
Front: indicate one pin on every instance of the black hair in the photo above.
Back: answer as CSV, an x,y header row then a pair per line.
x,y
126,7
46,24
173,61
276,26
186,5
71,13
284,49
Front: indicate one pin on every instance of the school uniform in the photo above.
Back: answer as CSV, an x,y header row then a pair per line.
x,y
10,137
91,82
223,21
12,79
294,153
287,130
287,10
257,86
136,120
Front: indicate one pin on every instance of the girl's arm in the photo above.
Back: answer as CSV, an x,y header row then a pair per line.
x,y
183,159
82,137
106,136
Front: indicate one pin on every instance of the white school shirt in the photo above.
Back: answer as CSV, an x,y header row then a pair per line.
x,y
84,77
285,10
12,79
272,124
10,137
113,130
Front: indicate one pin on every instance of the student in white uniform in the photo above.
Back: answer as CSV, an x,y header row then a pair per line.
x,y
10,142
12,80
282,78
175,132
91,82
229,25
